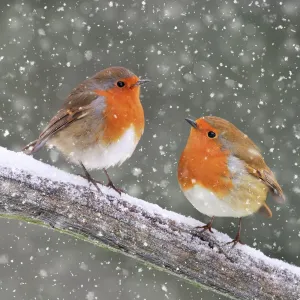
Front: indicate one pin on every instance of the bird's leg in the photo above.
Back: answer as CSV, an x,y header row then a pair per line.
x,y
111,184
237,238
89,178
85,177
208,226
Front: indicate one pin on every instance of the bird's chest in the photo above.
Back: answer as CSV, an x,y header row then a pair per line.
x,y
244,193
209,171
119,117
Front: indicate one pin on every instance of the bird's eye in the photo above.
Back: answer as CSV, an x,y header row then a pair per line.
x,y
211,134
120,84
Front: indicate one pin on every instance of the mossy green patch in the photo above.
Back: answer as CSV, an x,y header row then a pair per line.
x,y
25,219
98,243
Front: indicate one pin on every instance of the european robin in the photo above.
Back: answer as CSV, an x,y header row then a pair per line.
x,y
100,122
222,172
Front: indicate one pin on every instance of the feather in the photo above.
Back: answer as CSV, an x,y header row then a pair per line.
x,y
78,105
242,147
265,211
267,176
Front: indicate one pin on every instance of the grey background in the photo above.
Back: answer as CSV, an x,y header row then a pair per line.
x,y
235,59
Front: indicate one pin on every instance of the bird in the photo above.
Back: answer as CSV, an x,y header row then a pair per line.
x,y
223,174
99,124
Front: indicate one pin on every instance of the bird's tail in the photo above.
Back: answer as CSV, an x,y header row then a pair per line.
x,y
33,147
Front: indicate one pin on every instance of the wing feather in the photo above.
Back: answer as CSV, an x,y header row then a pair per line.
x,y
268,177
242,147
78,105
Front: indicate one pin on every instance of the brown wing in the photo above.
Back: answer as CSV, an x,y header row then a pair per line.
x,y
78,105
267,176
257,167
241,146
80,96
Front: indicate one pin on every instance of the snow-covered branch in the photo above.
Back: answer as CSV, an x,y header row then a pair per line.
x,y
31,190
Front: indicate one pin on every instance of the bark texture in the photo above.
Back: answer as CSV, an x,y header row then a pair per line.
x,y
144,231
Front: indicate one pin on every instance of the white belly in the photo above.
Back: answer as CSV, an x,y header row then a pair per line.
x,y
209,204
103,156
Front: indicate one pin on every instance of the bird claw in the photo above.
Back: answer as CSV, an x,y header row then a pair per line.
x,y
90,179
206,227
235,241
112,186
94,182
198,234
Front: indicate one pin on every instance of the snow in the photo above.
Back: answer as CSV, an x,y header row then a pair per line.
x,y
234,59
43,273
90,296
296,129
4,259
20,164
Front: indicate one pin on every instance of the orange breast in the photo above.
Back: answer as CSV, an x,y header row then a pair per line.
x,y
204,163
122,111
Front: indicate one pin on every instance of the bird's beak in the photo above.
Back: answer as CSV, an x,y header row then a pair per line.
x,y
192,123
142,81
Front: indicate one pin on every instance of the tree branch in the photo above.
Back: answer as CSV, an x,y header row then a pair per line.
x,y
34,191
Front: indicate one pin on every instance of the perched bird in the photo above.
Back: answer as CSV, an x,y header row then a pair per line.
x,y
100,122
222,172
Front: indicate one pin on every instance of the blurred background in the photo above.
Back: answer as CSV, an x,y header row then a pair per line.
x,y
237,59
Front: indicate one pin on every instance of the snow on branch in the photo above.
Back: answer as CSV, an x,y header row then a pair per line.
x,y
33,191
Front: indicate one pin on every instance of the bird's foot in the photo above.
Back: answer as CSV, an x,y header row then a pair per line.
x,y
112,186
235,241
206,227
197,233
92,181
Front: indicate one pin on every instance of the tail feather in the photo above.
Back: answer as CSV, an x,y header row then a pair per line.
x,y
33,147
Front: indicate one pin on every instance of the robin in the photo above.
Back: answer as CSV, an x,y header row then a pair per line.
x,y
100,122
222,173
